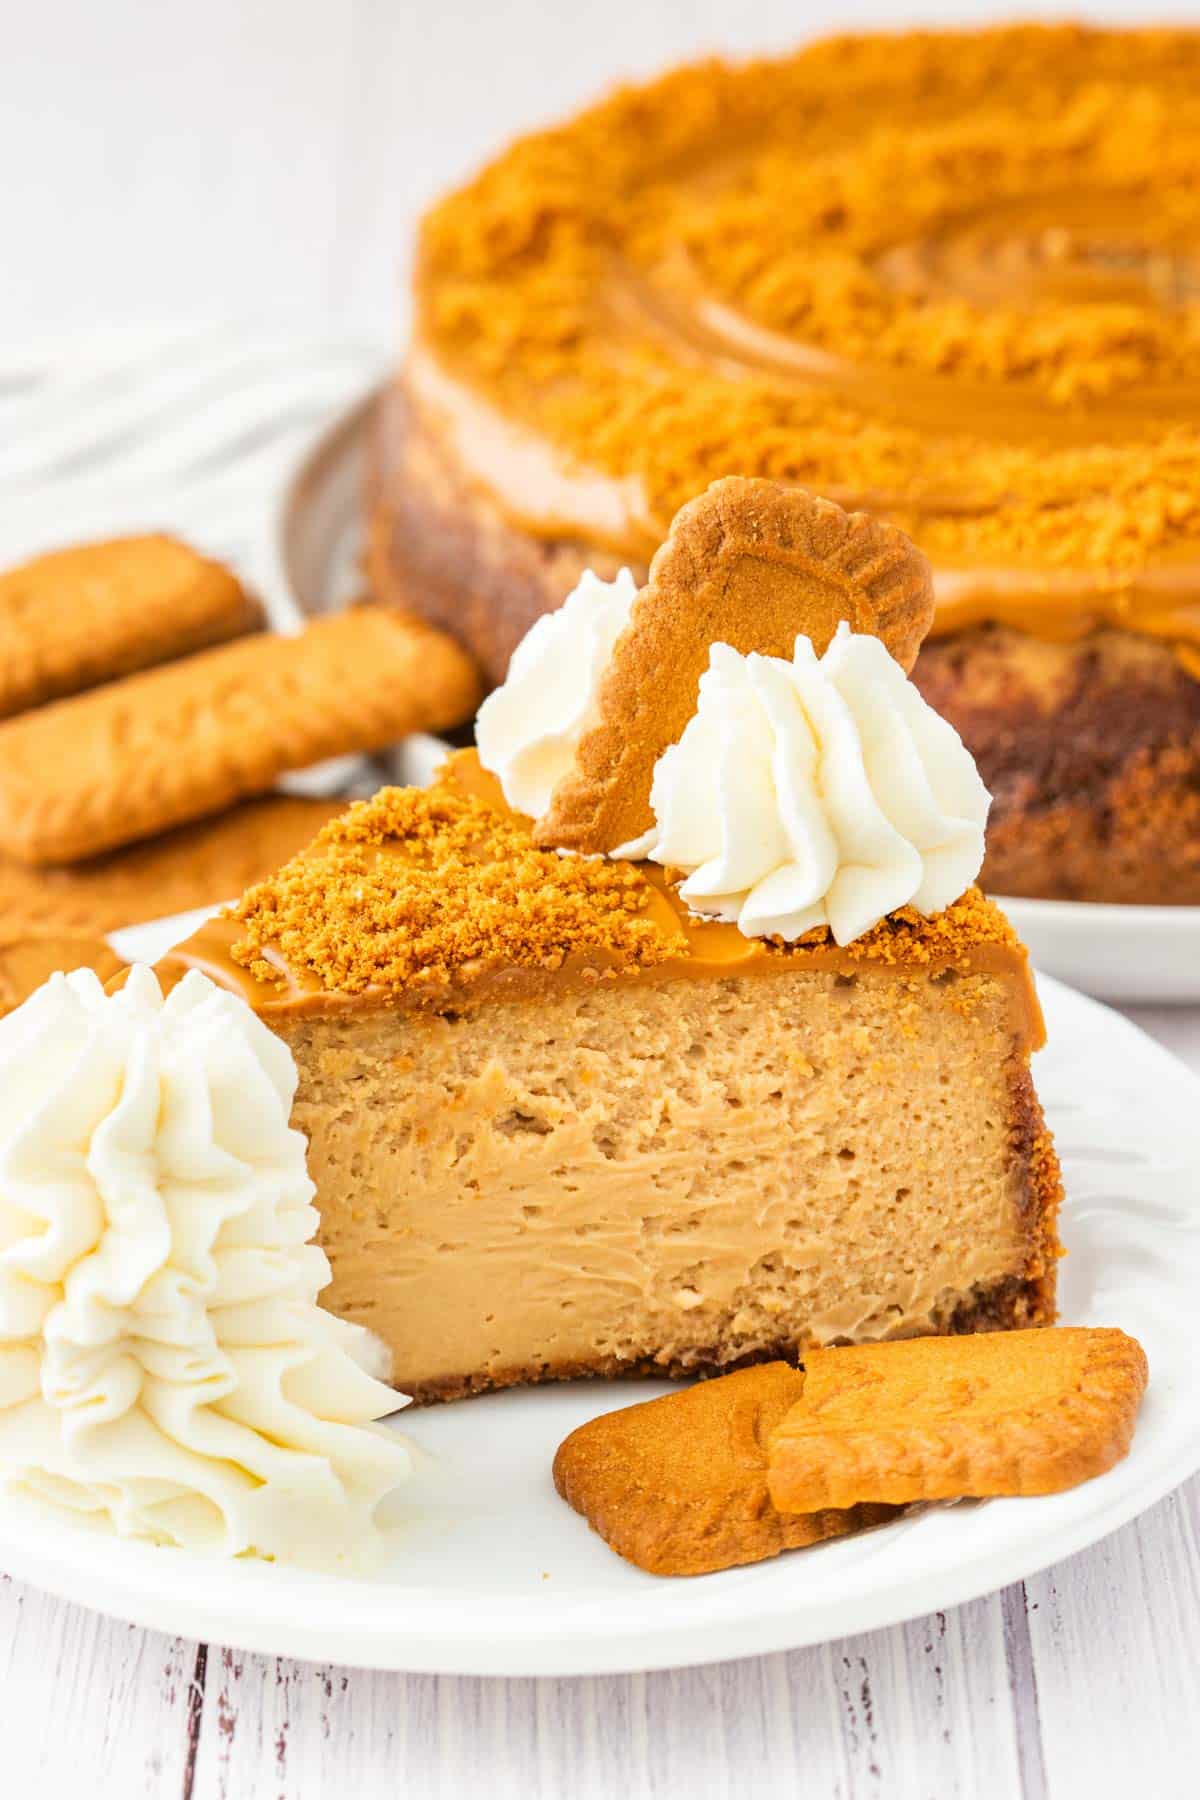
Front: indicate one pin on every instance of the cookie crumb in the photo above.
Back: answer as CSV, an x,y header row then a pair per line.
x,y
421,887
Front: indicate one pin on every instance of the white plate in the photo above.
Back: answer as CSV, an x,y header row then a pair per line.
x,y
1126,953
495,1575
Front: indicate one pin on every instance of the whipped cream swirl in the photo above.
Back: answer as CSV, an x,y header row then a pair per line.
x,y
164,1366
528,729
824,791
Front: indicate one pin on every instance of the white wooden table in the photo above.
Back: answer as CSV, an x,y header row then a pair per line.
x,y
1084,1681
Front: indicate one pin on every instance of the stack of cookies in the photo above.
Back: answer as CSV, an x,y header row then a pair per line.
x,y
146,714
775,1458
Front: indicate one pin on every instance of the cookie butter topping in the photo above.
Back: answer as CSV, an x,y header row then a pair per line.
x,y
164,1365
414,888
824,791
528,729
438,897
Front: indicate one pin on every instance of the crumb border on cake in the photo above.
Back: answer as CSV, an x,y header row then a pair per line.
x,y
433,886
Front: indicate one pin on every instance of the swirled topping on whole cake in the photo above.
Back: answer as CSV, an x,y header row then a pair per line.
x,y
950,279
953,277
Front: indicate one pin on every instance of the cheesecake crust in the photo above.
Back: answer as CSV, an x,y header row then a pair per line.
x,y
1012,1304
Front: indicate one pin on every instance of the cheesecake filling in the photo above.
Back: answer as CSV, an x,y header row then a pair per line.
x,y
674,1177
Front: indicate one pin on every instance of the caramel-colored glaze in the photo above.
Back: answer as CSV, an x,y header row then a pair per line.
x,y
713,950
550,496
1065,605
671,304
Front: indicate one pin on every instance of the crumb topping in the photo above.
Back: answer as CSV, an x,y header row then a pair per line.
x,y
820,199
427,887
421,885
941,940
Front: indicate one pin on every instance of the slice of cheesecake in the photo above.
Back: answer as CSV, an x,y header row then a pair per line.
x,y
765,1086
560,1127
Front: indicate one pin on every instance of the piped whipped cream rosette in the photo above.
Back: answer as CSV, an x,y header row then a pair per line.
x,y
529,729
747,718
164,1365
824,791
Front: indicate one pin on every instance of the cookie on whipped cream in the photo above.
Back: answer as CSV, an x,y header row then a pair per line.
x,y
750,710
750,564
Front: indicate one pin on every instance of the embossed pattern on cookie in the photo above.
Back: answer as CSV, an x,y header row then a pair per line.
x,y
751,564
678,1485
1016,1412
77,617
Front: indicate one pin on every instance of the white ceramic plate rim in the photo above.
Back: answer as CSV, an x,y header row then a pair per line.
x,y
1131,954
429,1635
1179,920
910,1568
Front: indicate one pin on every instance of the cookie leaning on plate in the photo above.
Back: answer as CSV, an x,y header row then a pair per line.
x,y
678,1485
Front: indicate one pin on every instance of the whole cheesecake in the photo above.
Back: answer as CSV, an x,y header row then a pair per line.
x,y
950,279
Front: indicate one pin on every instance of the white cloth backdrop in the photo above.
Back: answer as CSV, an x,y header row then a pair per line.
x,y
161,159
